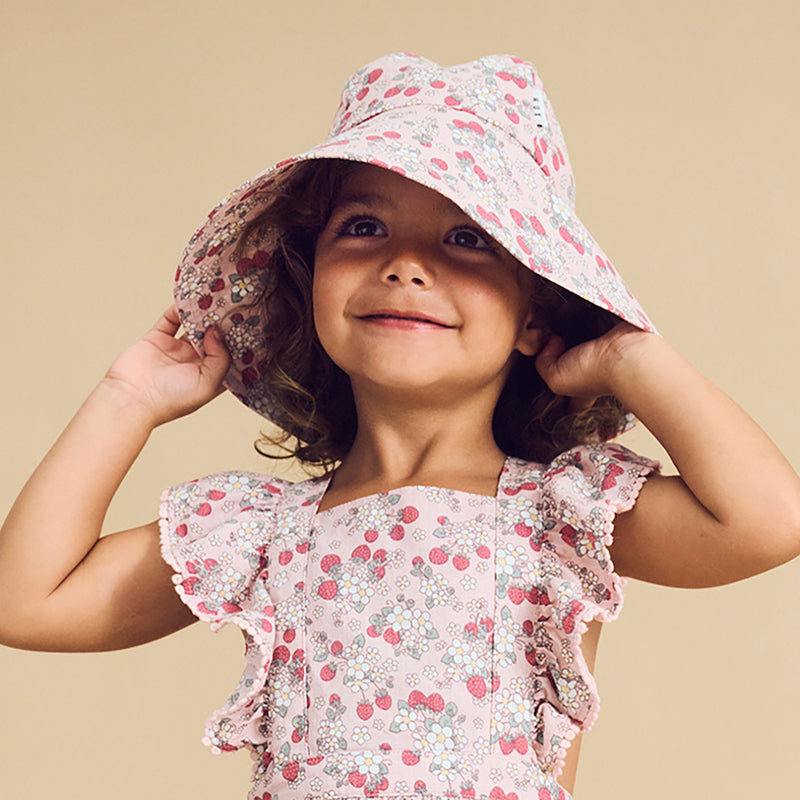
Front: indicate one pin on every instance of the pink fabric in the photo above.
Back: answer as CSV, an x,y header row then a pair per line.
x,y
483,134
419,640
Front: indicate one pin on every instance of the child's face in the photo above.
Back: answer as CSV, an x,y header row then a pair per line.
x,y
409,293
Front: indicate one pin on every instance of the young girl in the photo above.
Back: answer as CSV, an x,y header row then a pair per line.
x,y
416,305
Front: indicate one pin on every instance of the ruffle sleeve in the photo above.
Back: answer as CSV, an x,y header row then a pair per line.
x,y
571,506
215,534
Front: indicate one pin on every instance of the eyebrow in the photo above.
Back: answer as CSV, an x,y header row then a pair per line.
x,y
373,199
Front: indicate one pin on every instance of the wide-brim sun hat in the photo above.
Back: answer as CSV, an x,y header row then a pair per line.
x,y
483,134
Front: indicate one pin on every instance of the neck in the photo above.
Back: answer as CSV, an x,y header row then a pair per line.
x,y
432,444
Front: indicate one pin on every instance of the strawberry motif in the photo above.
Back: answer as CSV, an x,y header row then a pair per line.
x,y
515,595
291,771
357,779
410,758
364,710
437,556
383,702
416,698
435,702
328,561
521,529
537,226
391,636
397,533
460,562
327,590
610,479
361,552
476,686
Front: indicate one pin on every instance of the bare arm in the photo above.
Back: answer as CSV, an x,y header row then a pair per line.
x,y
61,587
733,511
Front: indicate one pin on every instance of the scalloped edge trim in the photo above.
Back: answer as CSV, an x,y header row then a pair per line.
x,y
610,513
216,622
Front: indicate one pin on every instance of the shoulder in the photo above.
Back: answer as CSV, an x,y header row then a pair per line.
x,y
223,493
216,532
197,506
607,472
568,508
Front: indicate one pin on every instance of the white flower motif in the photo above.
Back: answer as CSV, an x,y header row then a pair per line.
x,y
361,734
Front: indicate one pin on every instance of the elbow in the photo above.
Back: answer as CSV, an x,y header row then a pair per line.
x,y
777,535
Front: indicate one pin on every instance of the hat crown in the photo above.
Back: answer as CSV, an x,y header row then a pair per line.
x,y
501,90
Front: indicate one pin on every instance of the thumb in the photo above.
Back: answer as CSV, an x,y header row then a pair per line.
x,y
217,359
546,360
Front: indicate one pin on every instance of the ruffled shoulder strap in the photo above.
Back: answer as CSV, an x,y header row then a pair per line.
x,y
214,533
584,489
218,534
566,510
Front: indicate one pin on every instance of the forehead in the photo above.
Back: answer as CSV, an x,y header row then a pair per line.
x,y
372,185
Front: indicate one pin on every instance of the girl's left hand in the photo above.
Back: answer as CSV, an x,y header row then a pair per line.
x,y
708,525
587,371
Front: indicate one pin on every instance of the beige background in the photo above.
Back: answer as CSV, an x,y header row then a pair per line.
x,y
123,123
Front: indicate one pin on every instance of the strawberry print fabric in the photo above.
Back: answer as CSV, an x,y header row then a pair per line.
x,y
483,134
422,642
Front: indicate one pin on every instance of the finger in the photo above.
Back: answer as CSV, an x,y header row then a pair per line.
x,y
549,355
217,359
168,322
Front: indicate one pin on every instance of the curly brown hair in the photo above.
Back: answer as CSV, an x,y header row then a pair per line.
x,y
318,413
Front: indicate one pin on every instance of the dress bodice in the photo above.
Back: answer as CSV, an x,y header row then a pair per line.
x,y
420,642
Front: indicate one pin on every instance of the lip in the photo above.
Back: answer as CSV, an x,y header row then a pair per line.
x,y
410,320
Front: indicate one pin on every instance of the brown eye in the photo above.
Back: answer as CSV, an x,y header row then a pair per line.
x,y
469,237
361,227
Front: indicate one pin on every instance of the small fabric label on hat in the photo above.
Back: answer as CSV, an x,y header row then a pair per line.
x,y
539,108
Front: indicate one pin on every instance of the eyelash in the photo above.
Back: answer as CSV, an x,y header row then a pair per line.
x,y
343,228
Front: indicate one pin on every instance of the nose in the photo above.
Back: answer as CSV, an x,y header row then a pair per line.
x,y
409,266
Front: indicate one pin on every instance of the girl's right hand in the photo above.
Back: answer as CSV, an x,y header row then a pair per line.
x,y
62,587
166,375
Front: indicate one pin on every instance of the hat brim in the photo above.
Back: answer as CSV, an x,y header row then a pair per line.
x,y
506,189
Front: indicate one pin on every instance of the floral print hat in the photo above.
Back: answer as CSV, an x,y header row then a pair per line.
x,y
483,134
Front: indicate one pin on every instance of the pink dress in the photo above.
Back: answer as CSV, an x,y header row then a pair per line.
x,y
418,643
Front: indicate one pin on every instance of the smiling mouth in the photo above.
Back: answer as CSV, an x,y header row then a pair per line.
x,y
404,320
